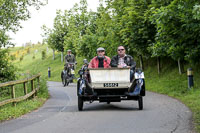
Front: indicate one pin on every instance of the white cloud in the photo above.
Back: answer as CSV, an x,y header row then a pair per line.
x,y
31,30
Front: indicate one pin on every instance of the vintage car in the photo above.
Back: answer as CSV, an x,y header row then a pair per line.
x,y
110,85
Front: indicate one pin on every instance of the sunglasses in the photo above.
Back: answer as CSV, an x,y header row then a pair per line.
x,y
100,51
120,49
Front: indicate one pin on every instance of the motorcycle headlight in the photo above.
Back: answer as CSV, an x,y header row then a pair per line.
x,y
80,72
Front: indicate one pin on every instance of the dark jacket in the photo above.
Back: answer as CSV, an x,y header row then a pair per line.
x,y
128,60
70,58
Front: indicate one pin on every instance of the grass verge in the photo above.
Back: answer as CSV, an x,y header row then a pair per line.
x,y
171,83
8,111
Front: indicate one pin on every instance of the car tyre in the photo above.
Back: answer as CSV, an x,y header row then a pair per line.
x,y
140,102
78,85
80,103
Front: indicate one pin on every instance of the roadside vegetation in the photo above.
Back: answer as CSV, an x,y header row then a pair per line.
x,y
27,67
9,111
12,13
168,82
171,83
163,36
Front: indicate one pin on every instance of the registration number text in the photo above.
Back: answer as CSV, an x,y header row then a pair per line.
x,y
110,84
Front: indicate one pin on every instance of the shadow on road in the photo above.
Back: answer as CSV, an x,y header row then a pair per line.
x,y
100,107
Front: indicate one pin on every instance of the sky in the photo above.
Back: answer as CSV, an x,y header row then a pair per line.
x,y
31,31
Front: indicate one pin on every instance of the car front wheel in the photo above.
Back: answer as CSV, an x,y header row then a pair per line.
x,y
80,103
140,103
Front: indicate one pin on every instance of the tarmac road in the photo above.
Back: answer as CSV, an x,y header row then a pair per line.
x,y
161,114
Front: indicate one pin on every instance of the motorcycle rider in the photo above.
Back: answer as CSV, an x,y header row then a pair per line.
x,y
100,61
122,60
69,58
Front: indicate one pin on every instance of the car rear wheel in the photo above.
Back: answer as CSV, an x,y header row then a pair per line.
x,y
80,103
140,103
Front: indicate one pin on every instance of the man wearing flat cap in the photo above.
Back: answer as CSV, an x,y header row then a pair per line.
x,y
70,58
100,61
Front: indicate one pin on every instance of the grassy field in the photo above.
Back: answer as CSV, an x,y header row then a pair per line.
x,y
169,82
32,63
8,111
37,65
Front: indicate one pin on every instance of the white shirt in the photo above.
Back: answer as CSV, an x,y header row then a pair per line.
x,y
121,61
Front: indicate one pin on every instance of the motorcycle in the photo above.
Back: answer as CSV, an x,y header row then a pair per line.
x,y
68,74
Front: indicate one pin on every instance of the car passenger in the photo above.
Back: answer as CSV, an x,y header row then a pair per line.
x,y
100,61
122,60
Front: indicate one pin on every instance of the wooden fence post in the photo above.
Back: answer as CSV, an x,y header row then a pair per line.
x,y
13,94
25,82
25,89
8,91
38,85
32,87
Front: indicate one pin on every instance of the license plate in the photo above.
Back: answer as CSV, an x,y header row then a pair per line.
x,y
110,84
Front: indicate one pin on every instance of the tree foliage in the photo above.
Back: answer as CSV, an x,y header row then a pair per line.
x,y
7,70
12,12
178,30
149,28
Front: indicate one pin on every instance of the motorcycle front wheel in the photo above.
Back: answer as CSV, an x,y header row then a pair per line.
x,y
65,81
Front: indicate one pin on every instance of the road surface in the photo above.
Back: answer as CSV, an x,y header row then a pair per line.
x,y
161,114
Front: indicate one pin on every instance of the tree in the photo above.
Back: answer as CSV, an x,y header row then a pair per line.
x,y
150,28
12,12
48,38
177,31
78,23
134,28
55,37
